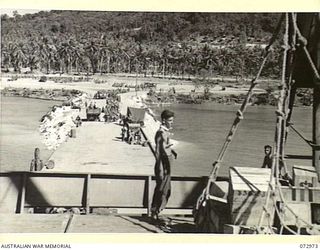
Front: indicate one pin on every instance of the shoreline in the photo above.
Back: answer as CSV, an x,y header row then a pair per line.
x,y
166,92
131,97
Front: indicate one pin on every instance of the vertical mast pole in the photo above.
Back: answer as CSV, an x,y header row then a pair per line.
x,y
316,101
316,128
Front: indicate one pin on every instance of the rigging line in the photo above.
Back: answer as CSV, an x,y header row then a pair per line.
x,y
278,186
303,41
282,199
216,165
275,161
279,135
276,33
269,221
237,120
242,109
251,185
269,191
290,44
281,102
282,222
300,134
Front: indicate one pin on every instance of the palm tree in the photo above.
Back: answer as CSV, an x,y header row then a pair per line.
x,y
47,53
65,53
77,55
6,56
18,56
103,53
32,55
92,52
164,58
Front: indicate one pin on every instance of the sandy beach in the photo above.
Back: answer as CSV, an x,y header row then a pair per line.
x,y
181,86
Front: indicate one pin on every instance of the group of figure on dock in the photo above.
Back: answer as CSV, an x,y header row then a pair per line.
x,y
131,132
109,112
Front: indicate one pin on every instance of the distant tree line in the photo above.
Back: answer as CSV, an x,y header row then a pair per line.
x,y
158,44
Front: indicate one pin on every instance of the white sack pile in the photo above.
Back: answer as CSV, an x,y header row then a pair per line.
x,y
56,126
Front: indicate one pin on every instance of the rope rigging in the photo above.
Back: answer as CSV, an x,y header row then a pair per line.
x,y
309,142
239,116
241,111
292,40
283,110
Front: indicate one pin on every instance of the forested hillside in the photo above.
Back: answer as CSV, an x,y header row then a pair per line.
x,y
184,44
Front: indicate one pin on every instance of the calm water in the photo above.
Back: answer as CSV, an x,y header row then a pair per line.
x,y
19,131
200,130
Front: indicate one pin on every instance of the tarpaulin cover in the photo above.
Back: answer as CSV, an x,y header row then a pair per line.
x,y
136,114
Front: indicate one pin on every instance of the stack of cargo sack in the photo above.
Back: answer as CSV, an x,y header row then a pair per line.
x,y
56,126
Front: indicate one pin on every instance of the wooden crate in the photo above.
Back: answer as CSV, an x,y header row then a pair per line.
x,y
302,210
247,195
305,175
300,194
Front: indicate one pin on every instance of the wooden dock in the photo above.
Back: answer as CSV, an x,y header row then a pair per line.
x,y
96,169
97,148
74,223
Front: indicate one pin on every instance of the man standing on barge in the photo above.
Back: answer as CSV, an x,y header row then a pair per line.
x,y
164,156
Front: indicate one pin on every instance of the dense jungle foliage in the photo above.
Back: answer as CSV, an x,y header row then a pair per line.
x,y
149,43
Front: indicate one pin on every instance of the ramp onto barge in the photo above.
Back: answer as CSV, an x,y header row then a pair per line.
x,y
96,170
97,148
68,223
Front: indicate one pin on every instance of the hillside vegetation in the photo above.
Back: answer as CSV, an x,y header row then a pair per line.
x,y
157,44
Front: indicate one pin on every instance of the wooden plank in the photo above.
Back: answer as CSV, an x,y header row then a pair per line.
x,y
243,178
100,150
303,210
140,211
300,194
110,224
253,188
248,195
32,223
248,213
250,170
305,175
